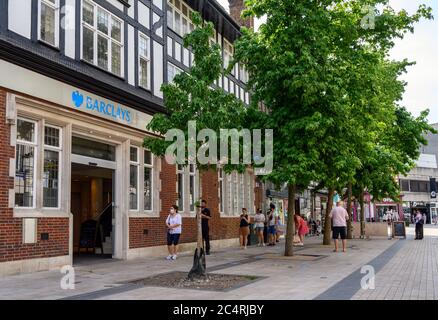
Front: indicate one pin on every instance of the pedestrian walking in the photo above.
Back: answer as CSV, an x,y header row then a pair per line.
x,y
173,224
271,225
259,223
244,228
339,218
419,222
206,216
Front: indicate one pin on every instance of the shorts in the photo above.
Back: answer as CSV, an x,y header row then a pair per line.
x,y
271,230
173,238
260,229
342,231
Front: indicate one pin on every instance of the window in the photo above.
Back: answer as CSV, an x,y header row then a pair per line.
x,y
99,150
221,190
133,179
230,194
180,187
48,14
25,163
169,46
228,55
404,184
235,194
179,17
192,177
172,71
102,38
144,62
243,74
51,174
419,186
148,178
241,193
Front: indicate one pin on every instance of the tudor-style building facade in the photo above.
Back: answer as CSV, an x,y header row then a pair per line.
x,y
79,81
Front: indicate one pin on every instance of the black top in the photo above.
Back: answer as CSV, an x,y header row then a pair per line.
x,y
206,212
243,222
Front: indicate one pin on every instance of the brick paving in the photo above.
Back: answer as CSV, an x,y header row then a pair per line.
x,y
405,269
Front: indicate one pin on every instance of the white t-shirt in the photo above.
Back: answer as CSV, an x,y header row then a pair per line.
x,y
259,219
176,219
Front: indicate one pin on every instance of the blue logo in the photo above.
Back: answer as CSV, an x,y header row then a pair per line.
x,y
114,111
77,98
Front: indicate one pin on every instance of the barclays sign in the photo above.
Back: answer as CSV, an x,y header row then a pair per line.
x,y
101,107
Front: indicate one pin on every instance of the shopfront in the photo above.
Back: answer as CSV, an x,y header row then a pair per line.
x,y
78,157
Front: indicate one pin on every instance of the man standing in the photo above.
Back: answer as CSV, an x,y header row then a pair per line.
x,y
206,216
339,218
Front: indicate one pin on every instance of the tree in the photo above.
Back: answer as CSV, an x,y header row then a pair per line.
x,y
300,63
191,97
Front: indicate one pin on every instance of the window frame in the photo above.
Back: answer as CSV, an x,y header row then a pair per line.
x,y
183,191
147,58
33,144
149,166
173,7
192,175
58,149
137,165
97,32
56,7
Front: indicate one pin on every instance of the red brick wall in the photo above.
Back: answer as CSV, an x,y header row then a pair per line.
x,y
11,246
220,228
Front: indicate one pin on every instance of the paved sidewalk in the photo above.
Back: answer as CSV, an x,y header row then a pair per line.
x,y
405,266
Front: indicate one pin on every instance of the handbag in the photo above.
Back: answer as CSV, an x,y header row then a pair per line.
x,y
296,239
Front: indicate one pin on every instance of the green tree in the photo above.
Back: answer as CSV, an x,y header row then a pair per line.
x,y
300,63
191,97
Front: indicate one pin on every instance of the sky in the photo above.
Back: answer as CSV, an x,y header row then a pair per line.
x,y
421,47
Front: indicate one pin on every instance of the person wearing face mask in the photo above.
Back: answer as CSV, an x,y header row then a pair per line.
x,y
173,224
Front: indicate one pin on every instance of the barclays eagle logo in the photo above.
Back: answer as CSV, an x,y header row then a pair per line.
x,y
77,98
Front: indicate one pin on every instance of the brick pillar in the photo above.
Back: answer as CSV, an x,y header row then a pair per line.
x,y
236,8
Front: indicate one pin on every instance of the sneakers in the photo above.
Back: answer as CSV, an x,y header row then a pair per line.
x,y
169,257
174,257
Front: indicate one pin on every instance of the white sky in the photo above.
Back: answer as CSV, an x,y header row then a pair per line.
x,y
422,47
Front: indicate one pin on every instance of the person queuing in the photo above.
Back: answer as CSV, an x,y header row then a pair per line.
x,y
271,225
339,218
206,216
259,222
173,224
244,228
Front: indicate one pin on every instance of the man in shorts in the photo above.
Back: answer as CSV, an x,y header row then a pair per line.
x,y
271,225
339,218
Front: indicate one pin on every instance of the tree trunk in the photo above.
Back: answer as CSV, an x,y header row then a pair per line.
x,y
199,268
350,215
327,220
290,231
362,214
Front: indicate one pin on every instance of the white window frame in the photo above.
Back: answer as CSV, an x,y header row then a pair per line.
x,y
136,164
56,8
60,163
183,184
221,190
145,58
33,144
150,166
174,8
192,175
176,71
96,32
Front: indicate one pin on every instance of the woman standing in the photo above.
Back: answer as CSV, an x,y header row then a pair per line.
x,y
419,226
173,224
259,220
301,228
244,228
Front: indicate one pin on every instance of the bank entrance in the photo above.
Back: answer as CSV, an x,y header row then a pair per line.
x,y
92,199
